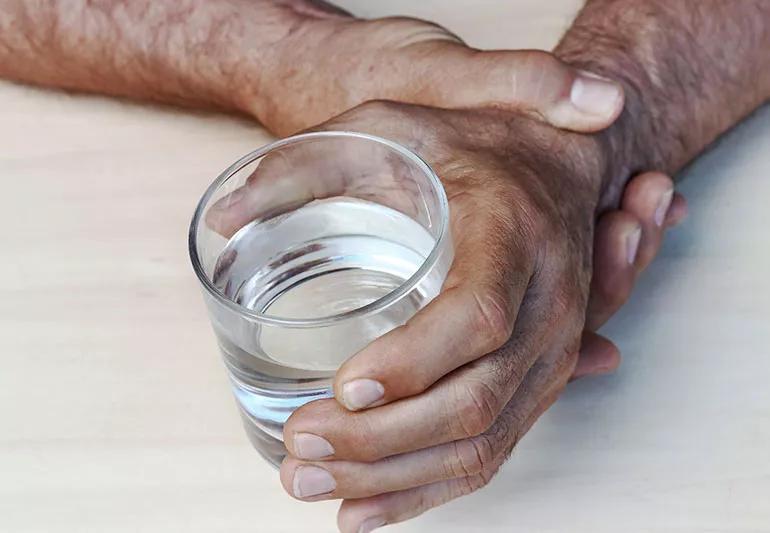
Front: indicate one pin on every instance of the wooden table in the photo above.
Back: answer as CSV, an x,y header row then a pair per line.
x,y
115,415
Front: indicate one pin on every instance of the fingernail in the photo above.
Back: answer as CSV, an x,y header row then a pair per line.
x,y
632,245
361,393
312,481
662,209
309,446
595,95
370,524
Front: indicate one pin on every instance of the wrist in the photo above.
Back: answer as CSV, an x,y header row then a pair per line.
x,y
280,83
639,140
333,63
632,144
629,145
689,73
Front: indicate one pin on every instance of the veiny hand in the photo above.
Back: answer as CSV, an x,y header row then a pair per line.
x,y
625,242
333,62
457,386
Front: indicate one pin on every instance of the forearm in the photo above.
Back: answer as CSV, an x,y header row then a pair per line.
x,y
691,69
210,53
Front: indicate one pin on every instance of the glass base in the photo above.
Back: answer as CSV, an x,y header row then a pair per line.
x,y
270,448
264,412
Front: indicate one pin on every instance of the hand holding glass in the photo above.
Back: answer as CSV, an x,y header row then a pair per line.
x,y
308,249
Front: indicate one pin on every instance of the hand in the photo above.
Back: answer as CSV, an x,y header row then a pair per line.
x,y
454,389
290,63
335,62
522,202
625,242
647,200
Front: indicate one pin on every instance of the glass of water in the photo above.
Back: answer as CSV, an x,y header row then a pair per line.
x,y
307,250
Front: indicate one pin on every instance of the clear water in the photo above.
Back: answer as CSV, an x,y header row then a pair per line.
x,y
325,258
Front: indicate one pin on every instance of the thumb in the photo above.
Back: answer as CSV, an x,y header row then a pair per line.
x,y
452,75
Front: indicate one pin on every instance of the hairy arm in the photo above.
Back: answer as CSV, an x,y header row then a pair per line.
x,y
691,69
290,63
191,52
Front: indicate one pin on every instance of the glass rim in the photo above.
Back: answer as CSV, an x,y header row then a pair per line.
x,y
377,305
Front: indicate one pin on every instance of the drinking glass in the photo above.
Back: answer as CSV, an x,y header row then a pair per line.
x,y
307,250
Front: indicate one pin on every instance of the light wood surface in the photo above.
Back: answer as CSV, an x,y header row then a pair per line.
x,y
115,415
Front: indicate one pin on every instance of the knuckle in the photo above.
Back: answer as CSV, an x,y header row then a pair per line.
x,y
362,440
472,456
492,318
355,436
477,408
473,483
488,473
505,433
416,382
546,76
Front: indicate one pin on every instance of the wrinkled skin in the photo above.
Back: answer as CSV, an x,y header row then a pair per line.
x,y
500,343
352,61
296,63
